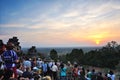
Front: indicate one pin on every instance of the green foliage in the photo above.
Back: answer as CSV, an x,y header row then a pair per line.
x,y
107,56
40,55
75,55
32,50
63,58
118,67
53,54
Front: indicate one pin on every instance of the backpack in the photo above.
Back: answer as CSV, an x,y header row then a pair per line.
x,y
8,56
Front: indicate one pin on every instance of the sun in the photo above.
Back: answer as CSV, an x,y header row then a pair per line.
x,y
97,42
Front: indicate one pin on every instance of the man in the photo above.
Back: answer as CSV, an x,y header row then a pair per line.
x,y
54,71
10,58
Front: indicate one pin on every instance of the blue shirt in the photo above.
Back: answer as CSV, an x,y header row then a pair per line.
x,y
63,72
14,58
44,67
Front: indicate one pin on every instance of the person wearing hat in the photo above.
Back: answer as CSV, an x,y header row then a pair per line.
x,y
10,58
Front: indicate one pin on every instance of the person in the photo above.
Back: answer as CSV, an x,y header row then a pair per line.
x,y
81,74
9,75
2,49
47,78
27,63
99,76
1,74
36,74
44,68
63,72
10,58
69,71
54,71
19,69
75,72
39,63
89,74
27,73
111,75
34,61
93,76
105,77
50,64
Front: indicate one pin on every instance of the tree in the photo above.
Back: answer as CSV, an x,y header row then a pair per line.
x,y
17,47
40,55
75,55
32,51
108,56
53,54
112,44
63,58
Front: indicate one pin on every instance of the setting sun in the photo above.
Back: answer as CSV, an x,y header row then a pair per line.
x,y
97,42
97,38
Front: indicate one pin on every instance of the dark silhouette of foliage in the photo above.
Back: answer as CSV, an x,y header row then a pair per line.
x,y
108,56
53,54
17,47
75,55
40,55
32,51
63,58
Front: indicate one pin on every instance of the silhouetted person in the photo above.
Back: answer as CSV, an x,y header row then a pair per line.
x,y
10,58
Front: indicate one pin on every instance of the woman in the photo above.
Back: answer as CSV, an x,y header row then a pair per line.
x,y
63,72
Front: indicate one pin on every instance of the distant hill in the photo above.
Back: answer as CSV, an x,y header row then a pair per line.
x,y
62,50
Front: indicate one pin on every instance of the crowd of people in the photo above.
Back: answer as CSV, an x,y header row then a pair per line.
x,y
13,67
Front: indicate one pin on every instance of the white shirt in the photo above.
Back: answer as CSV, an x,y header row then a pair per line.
x,y
19,72
39,63
54,68
111,76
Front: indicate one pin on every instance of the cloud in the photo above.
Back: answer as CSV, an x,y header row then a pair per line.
x,y
12,25
64,23
71,14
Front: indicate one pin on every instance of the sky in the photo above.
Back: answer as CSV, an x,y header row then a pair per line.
x,y
60,23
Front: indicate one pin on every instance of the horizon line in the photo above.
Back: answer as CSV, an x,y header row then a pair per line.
x,y
62,46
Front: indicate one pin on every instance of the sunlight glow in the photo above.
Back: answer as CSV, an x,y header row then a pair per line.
x,y
97,38
97,42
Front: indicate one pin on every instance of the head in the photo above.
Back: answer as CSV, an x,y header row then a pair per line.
x,y
47,78
93,70
10,46
88,70
100,73
111,72
62,65
1,42
38,59
75,65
